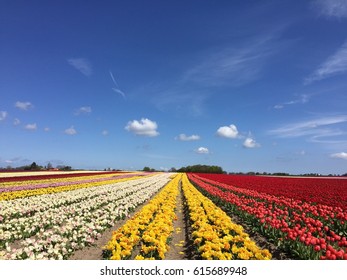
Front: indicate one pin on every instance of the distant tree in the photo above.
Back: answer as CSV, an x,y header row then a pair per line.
x,y
49,165
64,167
280,174
202,169
34,166
146,169
67,168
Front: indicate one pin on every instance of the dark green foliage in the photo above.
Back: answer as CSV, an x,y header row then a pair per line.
x,y
202,169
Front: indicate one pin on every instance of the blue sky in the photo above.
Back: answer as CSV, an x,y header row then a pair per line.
x,y
246,85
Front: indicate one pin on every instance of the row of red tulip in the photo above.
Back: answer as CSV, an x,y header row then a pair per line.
x,y
322,190
303,233
322,211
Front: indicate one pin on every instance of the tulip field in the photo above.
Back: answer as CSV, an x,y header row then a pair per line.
x,y
306,217
139,215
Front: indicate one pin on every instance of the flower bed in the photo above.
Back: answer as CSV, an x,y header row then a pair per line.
x,y
31,188
305,230
53,226
150,228
215,235
331,191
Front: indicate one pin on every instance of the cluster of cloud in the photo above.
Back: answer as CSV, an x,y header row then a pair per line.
x,y
144,127
24,106
193,137
231,132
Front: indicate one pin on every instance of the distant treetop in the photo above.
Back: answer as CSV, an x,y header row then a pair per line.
x,y
202,169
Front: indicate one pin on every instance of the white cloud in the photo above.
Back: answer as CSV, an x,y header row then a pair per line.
x,y
16,121
183,137
104,132
144,127
83,110
250,143
3,115
325,130
315,127
46,129
23,105
81,64
70,131
228,131
233,66
333,65
303,98
32,126
341,155
202,150
330,8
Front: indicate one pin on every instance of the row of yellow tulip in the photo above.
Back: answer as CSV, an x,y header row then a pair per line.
x,y
214,233
151,228
49,190
64,179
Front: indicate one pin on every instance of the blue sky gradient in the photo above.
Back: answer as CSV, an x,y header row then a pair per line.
x,y
246,85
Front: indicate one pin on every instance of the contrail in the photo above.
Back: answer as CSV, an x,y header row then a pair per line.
x,y
114,80
119,91
116,89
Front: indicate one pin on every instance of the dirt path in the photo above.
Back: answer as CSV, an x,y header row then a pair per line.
x,y
178,244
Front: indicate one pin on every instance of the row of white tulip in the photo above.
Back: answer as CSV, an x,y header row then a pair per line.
x,y
28,206
57,232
